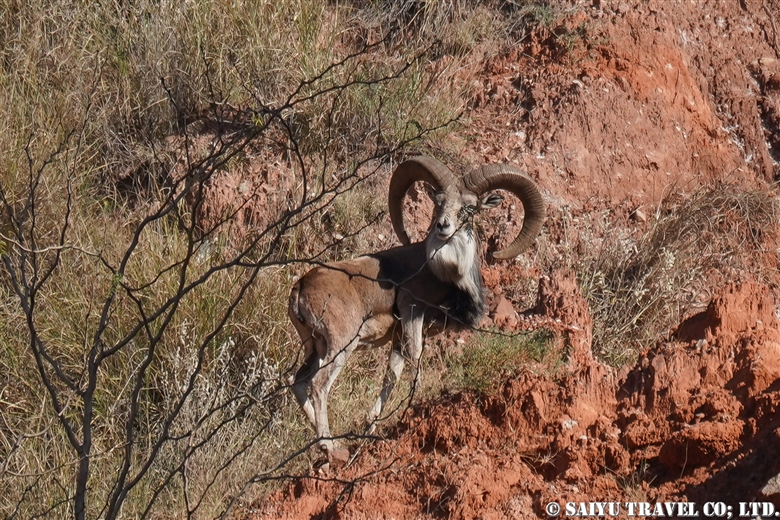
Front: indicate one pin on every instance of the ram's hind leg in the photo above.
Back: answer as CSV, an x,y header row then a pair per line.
x,y
300,386
305,374
321,383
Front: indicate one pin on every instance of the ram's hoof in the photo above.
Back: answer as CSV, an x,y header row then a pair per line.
x,y
326,446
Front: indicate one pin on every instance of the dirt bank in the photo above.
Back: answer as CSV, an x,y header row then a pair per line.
x,y
620,105
695,418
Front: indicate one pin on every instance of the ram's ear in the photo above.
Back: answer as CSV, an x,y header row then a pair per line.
x,y
491,200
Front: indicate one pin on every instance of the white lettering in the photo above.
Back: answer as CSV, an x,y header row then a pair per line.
x,y
688,509
595,509
715,509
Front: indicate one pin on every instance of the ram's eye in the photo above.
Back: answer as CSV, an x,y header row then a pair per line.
x,y
466,212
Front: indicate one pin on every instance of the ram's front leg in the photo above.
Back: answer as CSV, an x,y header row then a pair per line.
x,y
413,339
395,367
406,344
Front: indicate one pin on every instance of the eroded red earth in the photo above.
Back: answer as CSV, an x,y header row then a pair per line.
x,y
696,419
622,104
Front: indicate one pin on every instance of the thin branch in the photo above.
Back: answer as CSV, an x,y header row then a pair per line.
x,y
48,249
771,17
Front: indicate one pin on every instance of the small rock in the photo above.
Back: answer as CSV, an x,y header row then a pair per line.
x,y
638,215
774,82
771,490
505,314
338,458
568,424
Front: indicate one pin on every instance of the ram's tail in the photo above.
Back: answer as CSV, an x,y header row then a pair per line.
x,y
293,307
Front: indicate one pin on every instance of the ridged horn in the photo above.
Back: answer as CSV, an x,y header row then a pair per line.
x,y
421,168
516,181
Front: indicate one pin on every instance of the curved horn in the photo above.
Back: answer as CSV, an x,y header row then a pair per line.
x,y
514,180
421,168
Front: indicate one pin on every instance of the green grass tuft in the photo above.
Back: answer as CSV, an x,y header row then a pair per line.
x,y
490,358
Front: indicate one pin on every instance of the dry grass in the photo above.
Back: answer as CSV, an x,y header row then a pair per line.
x,y
110,83
638,289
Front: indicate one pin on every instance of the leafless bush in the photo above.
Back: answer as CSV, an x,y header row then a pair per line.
x,y
129,395
638,289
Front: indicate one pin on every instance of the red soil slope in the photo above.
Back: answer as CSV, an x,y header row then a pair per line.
x,y
695,419
621,105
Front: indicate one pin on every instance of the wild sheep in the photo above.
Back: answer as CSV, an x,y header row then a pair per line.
x,y
391,295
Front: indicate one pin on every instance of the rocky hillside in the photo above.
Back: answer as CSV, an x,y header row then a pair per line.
x,y
625,111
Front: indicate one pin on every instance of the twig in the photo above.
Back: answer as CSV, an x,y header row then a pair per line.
x,y
48,249
775,44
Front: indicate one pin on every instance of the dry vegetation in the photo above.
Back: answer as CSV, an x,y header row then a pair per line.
x,y
101,177
142,353
639,288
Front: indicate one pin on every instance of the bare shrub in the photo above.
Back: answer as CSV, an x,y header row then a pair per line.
x,y
639,288
145,356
